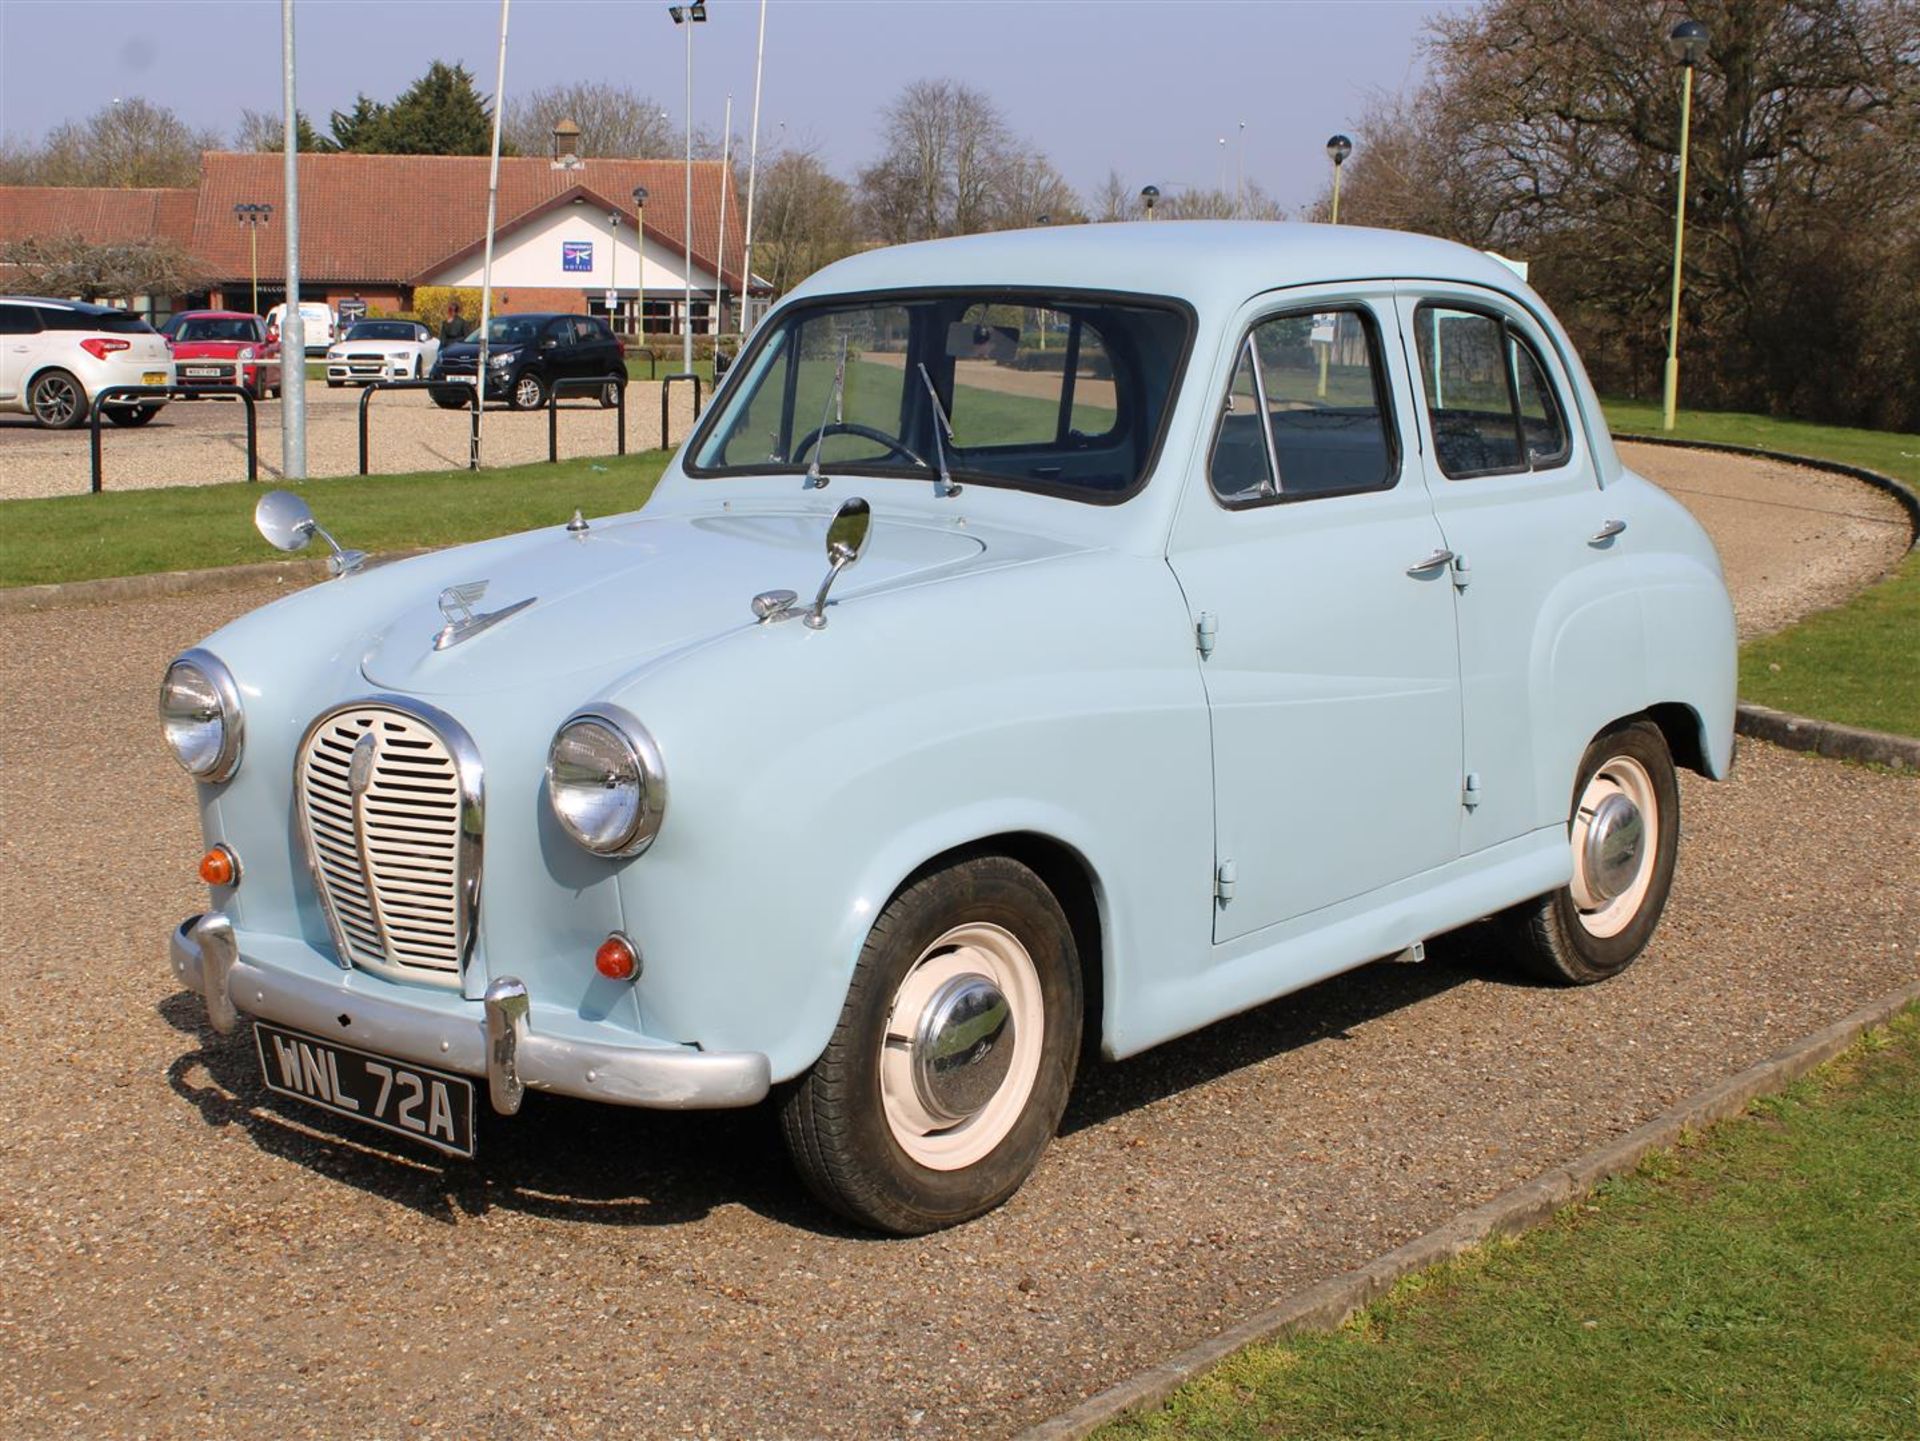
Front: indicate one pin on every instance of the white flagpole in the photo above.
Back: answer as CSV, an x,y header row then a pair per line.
x,y
293,330
720,249
753,168
486,261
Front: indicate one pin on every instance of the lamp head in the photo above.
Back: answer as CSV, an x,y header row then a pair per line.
x,y
639,197
1688,42
1149,195
1339,147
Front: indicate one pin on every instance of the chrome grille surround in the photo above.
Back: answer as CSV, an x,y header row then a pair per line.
x,y
396,862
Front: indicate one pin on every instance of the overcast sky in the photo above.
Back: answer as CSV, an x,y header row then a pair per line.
x,y
1147,86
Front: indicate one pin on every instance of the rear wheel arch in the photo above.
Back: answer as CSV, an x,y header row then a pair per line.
x,y
1685,734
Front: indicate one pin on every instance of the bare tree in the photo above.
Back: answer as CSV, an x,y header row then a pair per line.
x,y
1116,199
810,218
1252,203
951,166
129,143
1550,128
614,120
66,265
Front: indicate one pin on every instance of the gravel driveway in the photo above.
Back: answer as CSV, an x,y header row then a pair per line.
x,y
185,1257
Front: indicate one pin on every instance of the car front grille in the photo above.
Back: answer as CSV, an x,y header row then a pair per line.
x,y
390,813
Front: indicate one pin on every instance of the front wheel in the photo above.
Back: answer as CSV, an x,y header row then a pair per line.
x,y
131,414
950,1067
529,392
1625,833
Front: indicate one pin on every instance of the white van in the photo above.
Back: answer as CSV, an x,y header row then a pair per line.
x,y
316,319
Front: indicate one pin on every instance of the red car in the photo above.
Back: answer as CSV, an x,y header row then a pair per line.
x,y
224,347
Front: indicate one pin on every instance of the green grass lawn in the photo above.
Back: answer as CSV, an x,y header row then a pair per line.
x,y
132,532
1763,1281
1858,664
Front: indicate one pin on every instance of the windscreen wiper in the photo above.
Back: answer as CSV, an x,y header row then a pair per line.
x,y
835,407
945,485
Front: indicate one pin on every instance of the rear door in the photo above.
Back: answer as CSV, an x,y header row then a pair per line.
x,y
1316,576
18,325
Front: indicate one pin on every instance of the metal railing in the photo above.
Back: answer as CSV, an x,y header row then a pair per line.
x,y
600,383
653,361
585,383
472,408
173,392
666,390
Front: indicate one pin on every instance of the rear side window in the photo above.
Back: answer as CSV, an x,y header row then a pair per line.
x,y
97,322
1307,413
19,320
1492,407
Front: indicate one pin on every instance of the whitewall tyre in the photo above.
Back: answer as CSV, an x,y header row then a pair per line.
x,y
1624,831
950,1067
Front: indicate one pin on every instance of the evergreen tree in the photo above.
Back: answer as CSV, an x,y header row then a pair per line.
x,y
358,129
439,114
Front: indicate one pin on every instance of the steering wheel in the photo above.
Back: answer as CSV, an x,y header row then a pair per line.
x,y
895,446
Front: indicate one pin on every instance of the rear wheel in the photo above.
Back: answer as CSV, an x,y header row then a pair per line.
x,y
131,414
609,395
949,1070
57,400
1625,832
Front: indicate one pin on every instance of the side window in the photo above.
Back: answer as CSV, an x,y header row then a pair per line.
x,y
1306,414
560,330
1493,410
18,320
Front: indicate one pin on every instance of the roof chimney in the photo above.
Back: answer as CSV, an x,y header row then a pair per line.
x,y
566,146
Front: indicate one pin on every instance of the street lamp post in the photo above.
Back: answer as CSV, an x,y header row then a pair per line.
x,y
1688,45
1149,197
613,272
688,16
253,217
640,249
1338,149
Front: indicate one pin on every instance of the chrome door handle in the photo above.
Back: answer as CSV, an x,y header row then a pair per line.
x,y
1607,531
1432,562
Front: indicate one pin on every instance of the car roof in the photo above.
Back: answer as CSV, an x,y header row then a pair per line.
x,y
80,307
216,315
1207,262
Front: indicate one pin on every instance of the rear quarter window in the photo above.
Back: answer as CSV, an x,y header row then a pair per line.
x,y
107,322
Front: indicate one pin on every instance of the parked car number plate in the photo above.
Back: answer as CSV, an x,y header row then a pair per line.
x,y
430,1106
153,377
203,370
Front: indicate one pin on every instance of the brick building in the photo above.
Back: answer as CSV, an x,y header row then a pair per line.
x,y
378,227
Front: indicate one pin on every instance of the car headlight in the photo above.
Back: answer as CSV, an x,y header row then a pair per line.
x,y
246,352
200,713
606,782
501,357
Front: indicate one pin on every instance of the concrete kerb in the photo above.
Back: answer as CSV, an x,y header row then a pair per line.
x,y
1333,1302
291,573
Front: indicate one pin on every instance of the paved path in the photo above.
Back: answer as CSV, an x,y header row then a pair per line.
x,y
186,1258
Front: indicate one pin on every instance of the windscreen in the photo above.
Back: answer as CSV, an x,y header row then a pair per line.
x,y
1061,392
216,327
510,330
381,330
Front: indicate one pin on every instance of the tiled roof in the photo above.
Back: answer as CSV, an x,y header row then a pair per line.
x,y
99,216
401,218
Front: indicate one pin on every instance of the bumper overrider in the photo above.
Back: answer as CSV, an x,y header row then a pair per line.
x,y
498,1042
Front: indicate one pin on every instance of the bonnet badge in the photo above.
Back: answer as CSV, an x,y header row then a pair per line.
x,y
457,608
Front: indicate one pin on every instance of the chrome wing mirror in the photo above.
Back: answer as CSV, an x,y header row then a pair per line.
x,y
286,522
846,542
847,535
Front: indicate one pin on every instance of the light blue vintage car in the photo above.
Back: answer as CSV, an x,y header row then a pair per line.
x,y
1078,634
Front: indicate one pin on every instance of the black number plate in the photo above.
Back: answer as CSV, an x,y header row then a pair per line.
x,y
430,1106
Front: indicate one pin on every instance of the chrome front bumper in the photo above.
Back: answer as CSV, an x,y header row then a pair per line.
x,y
499,1043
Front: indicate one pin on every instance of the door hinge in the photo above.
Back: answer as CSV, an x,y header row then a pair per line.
x,y
1462,570
1224,875
1470,792
1204,631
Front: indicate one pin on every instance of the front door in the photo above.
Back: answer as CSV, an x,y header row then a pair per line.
x,y
18,326
1323,601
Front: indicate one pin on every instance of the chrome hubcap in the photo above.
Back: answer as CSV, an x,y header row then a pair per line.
x,y
529,392
1615,839
962,1048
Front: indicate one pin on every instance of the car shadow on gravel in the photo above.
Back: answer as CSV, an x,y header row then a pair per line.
x,y
1326,1011
574,1161
559,1159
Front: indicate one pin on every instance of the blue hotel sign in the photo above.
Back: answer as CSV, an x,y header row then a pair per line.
x,y
576,255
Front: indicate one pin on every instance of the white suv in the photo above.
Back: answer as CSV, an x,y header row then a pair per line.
x,y
57,355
